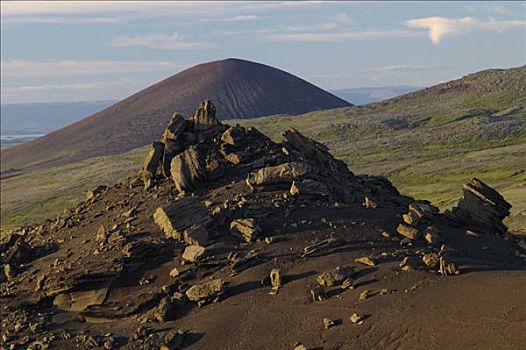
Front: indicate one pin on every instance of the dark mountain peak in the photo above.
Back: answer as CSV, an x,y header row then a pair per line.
x,y
240,89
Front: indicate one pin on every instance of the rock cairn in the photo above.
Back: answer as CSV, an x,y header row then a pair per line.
x,y
200,153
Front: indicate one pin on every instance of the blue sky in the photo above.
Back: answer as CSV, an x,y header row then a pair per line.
x,y
77,51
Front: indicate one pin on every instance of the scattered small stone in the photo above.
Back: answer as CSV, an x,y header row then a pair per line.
x,y
275,280
364,260
369,203
334,277
193,253
318,294
356,318
247,229
328,323
407,231
205,291
174,272
431,260
364,295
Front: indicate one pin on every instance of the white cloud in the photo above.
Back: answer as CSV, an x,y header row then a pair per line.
x,y
342,36
67,68
118,11
240,18
439,27
163,41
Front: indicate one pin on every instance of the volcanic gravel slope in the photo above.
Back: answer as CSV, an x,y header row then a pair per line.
x,y
102,275
241,89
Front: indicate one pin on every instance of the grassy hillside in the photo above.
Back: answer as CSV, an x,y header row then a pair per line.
x,y
428,143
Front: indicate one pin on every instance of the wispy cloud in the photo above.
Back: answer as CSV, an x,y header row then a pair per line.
x,y
118,11
439,27
240,18
162,41
342,36
68,68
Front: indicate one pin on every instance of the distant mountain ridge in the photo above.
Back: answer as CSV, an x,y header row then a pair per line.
x,y
364,95
24,118
239,89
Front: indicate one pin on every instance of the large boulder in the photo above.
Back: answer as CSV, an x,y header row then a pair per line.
x,y
185,219
279,176
481,208
151,163
188,169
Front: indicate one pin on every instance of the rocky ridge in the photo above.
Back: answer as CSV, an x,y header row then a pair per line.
x,y
212,204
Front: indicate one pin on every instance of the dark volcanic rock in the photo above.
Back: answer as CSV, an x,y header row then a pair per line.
x,y
481,208
235,212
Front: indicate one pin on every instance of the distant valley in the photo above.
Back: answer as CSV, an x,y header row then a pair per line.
x,y
22,122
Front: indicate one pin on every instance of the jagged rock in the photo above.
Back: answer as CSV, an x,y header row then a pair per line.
x,y
9,272
241,263
446,265
234,136
481,208
365,260
173,340
188,169
356,318
101,235
431,260
309,187
275,280
278,177
95,192
432,236
151,163
205,116
165,310
422,211
408,231
410,219
323,247
335,277
243,145
369,203
246,229
364,295
16,251
141,249
318,294
328,323
205,291
176,127
193,253
174,272
186,220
